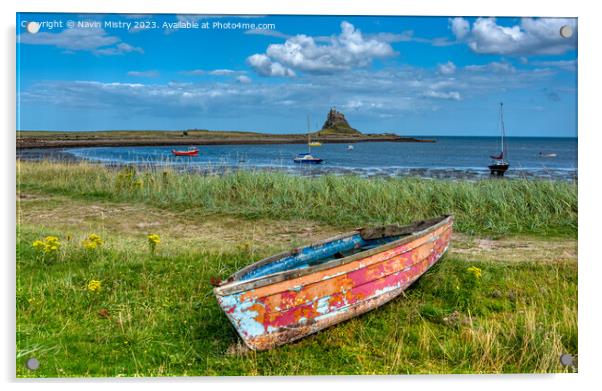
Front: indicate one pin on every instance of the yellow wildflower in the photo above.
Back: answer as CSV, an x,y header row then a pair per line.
x,y
95,238
94,285
92,242
475,271
89,245
51,240
154,239
50,245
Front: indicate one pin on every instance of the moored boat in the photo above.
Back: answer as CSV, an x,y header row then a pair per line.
x,y
293,294
500,165
550,155
306,158
189,152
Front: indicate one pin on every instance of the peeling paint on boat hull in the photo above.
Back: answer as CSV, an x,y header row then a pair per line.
x,y
269,315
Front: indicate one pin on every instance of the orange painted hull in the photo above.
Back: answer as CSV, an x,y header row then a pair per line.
x,y
278,308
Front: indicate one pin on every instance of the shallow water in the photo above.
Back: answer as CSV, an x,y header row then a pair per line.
x,y
449,157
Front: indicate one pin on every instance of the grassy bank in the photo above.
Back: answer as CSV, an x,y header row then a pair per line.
x,y
155,315
58,139
495,207
122,309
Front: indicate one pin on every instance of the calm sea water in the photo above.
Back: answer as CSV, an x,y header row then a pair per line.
x,y
449,157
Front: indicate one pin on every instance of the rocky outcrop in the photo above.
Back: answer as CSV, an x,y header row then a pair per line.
x,y
337,124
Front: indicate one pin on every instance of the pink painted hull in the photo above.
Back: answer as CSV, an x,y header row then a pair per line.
x,y
271,311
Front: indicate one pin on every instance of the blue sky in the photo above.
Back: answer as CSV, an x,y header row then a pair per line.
x,y
407,75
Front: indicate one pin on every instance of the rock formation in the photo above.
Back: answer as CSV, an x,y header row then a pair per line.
x,y
337,124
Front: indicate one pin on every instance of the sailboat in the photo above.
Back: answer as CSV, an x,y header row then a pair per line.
x,y
307,158
313,143
500,165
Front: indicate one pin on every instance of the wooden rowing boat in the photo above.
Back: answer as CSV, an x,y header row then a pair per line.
x,y
291,295
190,152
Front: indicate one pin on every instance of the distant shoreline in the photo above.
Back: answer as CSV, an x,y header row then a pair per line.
x,y
33,139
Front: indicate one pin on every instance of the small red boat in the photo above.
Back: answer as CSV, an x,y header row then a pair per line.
x,y
190,152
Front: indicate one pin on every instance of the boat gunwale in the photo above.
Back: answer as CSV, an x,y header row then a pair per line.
x,y
233,285
380,277
387,296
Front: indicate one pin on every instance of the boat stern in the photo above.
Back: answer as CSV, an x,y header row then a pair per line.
x,y
245,316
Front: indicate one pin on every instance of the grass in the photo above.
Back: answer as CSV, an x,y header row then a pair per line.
x,y
190,133
155,314
496,207
136,134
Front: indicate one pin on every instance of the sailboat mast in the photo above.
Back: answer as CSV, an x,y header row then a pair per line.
x,y
503,129
308,136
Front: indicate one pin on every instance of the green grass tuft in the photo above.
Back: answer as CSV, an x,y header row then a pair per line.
x,y
494,207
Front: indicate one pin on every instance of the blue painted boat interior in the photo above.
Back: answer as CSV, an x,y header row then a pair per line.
x,y
317,254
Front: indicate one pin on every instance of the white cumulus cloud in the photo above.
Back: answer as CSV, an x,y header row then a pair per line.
x,y
266,67
460,27
532,36
350,49
449,68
